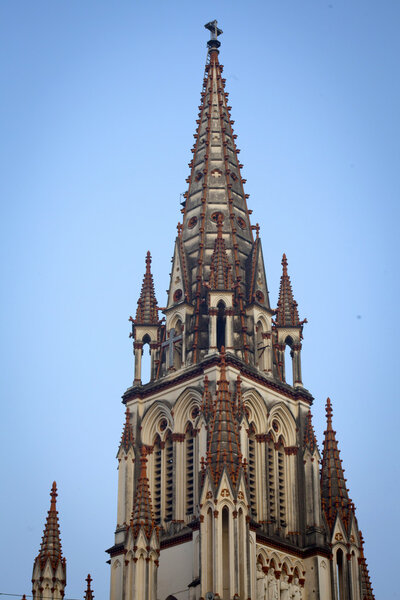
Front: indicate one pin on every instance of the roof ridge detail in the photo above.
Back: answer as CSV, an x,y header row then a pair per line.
x,y
366,587
334,493
287,313
50,547
147,311
310,441
142,512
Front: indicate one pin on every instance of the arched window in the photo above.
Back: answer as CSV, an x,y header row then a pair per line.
x,y
190,471
289,360
276,481
169,477
339,575
225,554
146,360
221,325
210,549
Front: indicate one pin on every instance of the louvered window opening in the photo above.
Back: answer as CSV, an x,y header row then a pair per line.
x,y
252,474
281,485
189,473
157,483
169,471
271,482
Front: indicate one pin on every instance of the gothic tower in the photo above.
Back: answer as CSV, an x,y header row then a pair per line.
x,y
220,493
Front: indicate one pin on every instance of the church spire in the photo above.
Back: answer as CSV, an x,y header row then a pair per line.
x,y
49,567
224,443
147,312
215,211
334,493
50,547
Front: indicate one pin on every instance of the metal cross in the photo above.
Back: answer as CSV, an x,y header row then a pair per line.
x,y
169,343
213,29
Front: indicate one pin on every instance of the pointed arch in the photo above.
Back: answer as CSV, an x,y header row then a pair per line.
x,y
257,410
152,423
286,424
189,399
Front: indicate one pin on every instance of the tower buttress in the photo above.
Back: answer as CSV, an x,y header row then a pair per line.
x,y
49,568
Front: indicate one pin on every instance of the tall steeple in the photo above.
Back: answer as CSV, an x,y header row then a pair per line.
x,y
49,569
229,456
334,492
216,225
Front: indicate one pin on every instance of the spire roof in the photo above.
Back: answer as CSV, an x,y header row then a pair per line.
x,y
142,513
224,442
287,313
147,312
334,493
215,194
310,441
127,439
88,592
50,547
220,270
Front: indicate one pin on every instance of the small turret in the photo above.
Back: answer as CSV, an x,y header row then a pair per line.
x,y
288,328
49,568
146,325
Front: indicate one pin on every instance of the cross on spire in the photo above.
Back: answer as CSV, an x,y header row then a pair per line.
x,y
212,27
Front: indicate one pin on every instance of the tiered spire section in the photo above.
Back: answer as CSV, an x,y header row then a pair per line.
x,y
50,548
147,312
49,568
334,493
127,439
224,442
216,206
310,441
220,270
89,592
287,313
142,514
366,587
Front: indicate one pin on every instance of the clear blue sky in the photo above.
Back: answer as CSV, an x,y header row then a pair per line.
x,y
98,108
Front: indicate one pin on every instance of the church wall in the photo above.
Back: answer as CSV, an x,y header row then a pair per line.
x,y
175,571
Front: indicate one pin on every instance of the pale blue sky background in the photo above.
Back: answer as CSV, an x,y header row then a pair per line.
x,y
97,115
